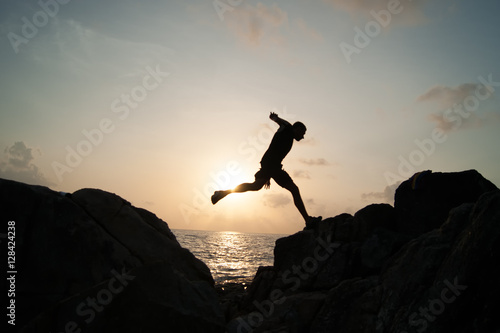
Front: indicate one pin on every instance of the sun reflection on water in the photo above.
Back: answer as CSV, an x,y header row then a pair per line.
x,y
231,256
230,250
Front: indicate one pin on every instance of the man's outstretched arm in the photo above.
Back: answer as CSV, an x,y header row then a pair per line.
x,y
282,122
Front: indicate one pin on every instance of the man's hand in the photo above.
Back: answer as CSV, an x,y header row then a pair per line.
x,y
274,117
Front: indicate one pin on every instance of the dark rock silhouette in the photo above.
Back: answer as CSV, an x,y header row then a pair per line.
x,y
426,264
91,262
424,201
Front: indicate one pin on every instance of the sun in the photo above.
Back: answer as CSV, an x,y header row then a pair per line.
x,y
230,175
237,179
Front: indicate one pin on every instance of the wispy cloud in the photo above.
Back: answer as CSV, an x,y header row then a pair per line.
x,y
75,48
387,195
255,25
275,200
451,113
314,161
18,165
301,174
445,97
308,31
412,11
472,121
260,25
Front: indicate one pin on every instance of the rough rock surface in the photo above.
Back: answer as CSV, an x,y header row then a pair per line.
x,y
91,262
427,264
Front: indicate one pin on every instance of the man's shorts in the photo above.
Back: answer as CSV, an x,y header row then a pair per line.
x,y
280,176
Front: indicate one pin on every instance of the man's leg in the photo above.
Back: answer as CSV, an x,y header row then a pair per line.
x,y
255,186
284,180
297,199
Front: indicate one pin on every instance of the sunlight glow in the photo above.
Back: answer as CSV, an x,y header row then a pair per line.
x,y
238,179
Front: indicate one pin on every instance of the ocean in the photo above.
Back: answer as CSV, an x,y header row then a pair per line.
x,y
231,256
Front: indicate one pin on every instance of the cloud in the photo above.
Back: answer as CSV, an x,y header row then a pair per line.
x,y
385,196
310,202
255,25
89,53
261,25
453,113
308,31
276,200
301,174
19,165
472,121
454,120
446,97
309,141
412,12
314,161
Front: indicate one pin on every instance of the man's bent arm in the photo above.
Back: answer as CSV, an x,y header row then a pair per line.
x,y
282,122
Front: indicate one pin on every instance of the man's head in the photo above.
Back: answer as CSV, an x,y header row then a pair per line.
x,y
299,129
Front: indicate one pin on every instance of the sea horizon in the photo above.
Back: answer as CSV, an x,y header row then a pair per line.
x,y
232,231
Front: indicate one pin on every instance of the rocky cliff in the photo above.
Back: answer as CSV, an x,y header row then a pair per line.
x,y
428,264
91,262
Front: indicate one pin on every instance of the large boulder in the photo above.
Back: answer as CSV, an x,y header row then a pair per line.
x,y
91,262
424,200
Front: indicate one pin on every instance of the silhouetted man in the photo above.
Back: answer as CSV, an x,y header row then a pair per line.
x,y
271,167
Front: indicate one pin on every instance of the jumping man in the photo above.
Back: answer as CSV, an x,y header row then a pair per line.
x,y
271,167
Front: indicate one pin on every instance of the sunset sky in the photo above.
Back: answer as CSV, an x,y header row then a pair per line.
x,y
162,102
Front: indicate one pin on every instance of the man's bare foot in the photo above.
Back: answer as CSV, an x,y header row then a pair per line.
x,y
312,222
217,196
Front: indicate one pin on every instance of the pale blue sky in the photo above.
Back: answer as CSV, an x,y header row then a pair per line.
x,y
181,98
